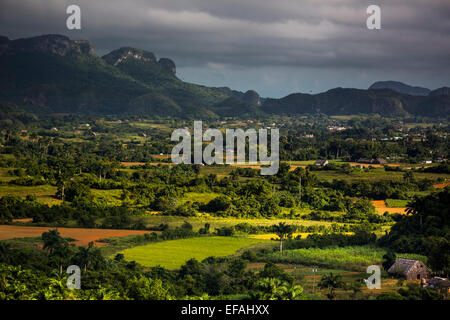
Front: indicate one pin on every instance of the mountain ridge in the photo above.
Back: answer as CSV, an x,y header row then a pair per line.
x,y
401,88
52,73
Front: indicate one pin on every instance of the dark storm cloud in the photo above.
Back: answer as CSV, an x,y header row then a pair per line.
x,y
292,37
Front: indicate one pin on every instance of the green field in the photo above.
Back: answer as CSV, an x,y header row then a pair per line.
x,y
44,193
5,176
108,197
203,197
396,203
173,254
376,174
348,258
219,222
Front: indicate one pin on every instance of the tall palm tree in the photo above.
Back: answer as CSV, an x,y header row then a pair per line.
x,y
331,282
61,255
417,207
85,255
270,288
290,292
282,230
5,252
52,240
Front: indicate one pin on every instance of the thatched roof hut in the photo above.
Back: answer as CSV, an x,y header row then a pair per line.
x,y
410,269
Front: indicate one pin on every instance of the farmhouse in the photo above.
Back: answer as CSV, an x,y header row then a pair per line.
x,y
321,163
380,161
410,269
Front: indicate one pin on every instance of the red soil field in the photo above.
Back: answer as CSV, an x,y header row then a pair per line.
x,y
83,236
381,207
441,185
129,164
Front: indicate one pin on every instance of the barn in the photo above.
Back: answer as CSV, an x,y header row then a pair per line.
x,y
410,269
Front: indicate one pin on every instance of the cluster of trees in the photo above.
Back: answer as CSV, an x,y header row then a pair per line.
x,y
380,190
361,140
425,230
412,291
443,167
160,188
35,273
362,236
76,168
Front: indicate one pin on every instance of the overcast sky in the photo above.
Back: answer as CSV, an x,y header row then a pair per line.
x,y
275,47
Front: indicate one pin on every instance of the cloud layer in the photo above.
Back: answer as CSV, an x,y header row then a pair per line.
x,y
275,47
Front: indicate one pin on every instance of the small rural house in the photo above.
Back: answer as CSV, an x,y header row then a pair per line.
x,y
380,161
410,269
321,163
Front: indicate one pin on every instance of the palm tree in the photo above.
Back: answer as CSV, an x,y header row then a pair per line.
x,y
60,255
290,292
85,255
417,207
331,282
52,240
5,251
354,287
269,288
282,230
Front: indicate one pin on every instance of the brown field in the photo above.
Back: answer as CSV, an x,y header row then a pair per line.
x,y
129,164
381,207
82,235
158,156
441,185
23,220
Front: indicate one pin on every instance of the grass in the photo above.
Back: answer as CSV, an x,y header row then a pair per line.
x,y
5,176
270,236
116,244
44,193
396,203
304,276
376,174
219,170
109,197
199,197
173,254
219,222
348,258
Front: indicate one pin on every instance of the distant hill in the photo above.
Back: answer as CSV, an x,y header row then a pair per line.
x,y
160,77
444,91
341,101
54,74
400,87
